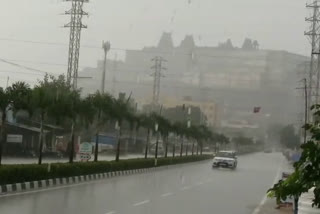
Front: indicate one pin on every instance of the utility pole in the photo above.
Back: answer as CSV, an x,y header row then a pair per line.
x,y
314,73
76,13
115,66
305,109
158,68
306,102
106,47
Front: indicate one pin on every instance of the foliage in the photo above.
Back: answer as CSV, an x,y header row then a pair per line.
x,y
307,169
10,174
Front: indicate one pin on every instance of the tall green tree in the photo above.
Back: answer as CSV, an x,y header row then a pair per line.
x,y
103,107
306,170
121,111
41,102
15,97
147,123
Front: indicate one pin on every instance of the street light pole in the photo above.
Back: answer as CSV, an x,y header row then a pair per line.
x,y
156,127
106,47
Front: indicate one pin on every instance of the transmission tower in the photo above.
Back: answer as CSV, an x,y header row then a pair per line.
x,y
76,12
158,68
314,36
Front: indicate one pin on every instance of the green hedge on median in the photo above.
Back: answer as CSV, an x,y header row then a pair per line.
x,y
10,174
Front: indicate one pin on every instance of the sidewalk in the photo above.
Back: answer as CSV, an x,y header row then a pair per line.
x,y
270,208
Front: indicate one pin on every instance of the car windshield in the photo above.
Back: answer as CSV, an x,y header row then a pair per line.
x,y
226,154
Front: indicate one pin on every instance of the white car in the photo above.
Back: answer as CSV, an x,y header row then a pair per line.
x,y
226,159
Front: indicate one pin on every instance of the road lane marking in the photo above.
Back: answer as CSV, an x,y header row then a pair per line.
x,y
111,212
264,199
141,203
166,194
185,187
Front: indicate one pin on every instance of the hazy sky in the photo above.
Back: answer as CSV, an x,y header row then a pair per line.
x,y
129,24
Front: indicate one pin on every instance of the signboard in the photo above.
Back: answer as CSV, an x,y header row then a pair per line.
x,y
85,151
12,138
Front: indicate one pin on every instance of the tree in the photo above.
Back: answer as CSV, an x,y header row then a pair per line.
x,y
15,97
289,138
121,111
41,102
147,123
306,170
164,128
102,105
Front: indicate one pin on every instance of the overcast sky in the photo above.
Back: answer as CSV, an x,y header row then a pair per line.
x,y
130,24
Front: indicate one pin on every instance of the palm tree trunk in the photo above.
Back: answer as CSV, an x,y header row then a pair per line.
x,y
181,147
2,135
197,148
147,145
118,145
41,141
174,150
187,148
192,148
157,145
96,148
71,155
166,150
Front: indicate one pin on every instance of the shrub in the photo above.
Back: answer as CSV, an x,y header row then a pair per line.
x,y
10,174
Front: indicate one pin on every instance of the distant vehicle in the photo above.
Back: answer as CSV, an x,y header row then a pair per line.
x,y
226,159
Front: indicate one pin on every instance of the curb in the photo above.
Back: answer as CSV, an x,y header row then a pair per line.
x,y
46,184
56,182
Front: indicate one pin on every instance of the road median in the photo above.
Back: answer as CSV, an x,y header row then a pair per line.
x,y
26,177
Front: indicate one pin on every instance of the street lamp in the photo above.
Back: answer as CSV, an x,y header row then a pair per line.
x,y
106,48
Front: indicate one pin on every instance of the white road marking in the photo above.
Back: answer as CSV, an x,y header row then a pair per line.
x,y
264,199
185,187
166,194
111,212
141,203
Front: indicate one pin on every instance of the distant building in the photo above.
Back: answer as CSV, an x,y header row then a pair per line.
x,y
234,78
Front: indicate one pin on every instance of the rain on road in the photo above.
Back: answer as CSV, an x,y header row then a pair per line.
x,y
185,189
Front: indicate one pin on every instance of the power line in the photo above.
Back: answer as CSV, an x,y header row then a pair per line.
x,y
22,66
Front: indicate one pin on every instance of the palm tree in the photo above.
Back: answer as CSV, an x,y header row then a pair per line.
x,y
178,128
165,127
147,123
121,111
102,104
41,101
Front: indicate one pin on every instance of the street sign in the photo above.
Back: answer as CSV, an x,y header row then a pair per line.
x,y
85,151
85,148
14,138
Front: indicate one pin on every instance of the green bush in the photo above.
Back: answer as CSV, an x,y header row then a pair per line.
x,y
10,174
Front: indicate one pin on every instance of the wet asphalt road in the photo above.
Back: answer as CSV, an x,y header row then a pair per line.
x,y
186,189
